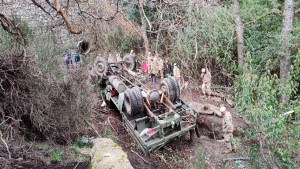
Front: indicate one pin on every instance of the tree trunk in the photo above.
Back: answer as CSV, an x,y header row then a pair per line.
x,y
285,50
144,27
239,27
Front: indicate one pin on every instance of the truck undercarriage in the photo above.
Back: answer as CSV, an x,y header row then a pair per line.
x,y
152,117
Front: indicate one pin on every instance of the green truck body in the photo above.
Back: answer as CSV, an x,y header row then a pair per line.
x,y
152,117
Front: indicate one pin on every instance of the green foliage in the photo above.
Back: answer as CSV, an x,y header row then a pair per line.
x,y
132,12
208,35
27,32
48,54
8,43
41,146
257,99
57,156
121,41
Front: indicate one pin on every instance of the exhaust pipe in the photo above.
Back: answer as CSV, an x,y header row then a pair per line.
x,y
83,47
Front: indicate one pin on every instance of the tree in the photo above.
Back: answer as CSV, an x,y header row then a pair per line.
x,y
285,50
144,26
239,32
62,10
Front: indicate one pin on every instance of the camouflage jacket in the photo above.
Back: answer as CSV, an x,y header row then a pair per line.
x,y
206,77
153,66
227,123
176,72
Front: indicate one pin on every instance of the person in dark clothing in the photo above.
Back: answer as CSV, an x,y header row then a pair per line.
x,y
168,69
77,60
67,58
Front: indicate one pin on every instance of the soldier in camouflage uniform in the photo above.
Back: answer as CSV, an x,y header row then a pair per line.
x,y
206,76
176,72
160,66
153,69
228,130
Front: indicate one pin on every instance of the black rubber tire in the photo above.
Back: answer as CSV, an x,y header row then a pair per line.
x,y
101,66
140,99
130,102
130,62
169,88
176,87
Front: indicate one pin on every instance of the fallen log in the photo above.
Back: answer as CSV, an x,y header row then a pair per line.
x,y
236,158
213,109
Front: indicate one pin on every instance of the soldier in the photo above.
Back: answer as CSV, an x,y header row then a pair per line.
x,y
133,55
77,60
153,69
228,130
111,58
102,87
67,58
168,68
160,66
206,82
176,72
118,56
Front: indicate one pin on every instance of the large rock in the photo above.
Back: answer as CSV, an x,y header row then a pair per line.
x,y
106,154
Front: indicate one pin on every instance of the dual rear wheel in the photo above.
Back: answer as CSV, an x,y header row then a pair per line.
x,y
170,87
133,101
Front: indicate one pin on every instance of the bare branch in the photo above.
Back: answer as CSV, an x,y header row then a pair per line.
x,y
96,17
141,6
66,18
40,6
9,26
50,4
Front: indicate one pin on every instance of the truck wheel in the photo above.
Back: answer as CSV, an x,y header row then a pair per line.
x,y
140,99
101,66
176,86
168,89
130,102
129,62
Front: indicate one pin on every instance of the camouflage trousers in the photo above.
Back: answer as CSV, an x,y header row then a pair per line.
x,y
206,88
229,141
161,74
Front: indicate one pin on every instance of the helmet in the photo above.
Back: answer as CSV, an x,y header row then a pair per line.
x,y
222,109
203,70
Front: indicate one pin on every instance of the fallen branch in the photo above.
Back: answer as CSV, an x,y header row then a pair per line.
x,y
236,158
93,127
213,108
146,161
40,6
9,154
76,165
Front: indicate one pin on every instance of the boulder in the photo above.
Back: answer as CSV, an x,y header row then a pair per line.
x,y
106,154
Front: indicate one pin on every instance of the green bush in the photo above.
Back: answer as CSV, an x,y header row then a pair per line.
x,y
57,156
257,100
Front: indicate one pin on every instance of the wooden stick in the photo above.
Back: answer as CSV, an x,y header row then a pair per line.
x,y
146,161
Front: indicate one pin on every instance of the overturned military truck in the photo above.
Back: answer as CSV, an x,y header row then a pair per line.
x,y
151,117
